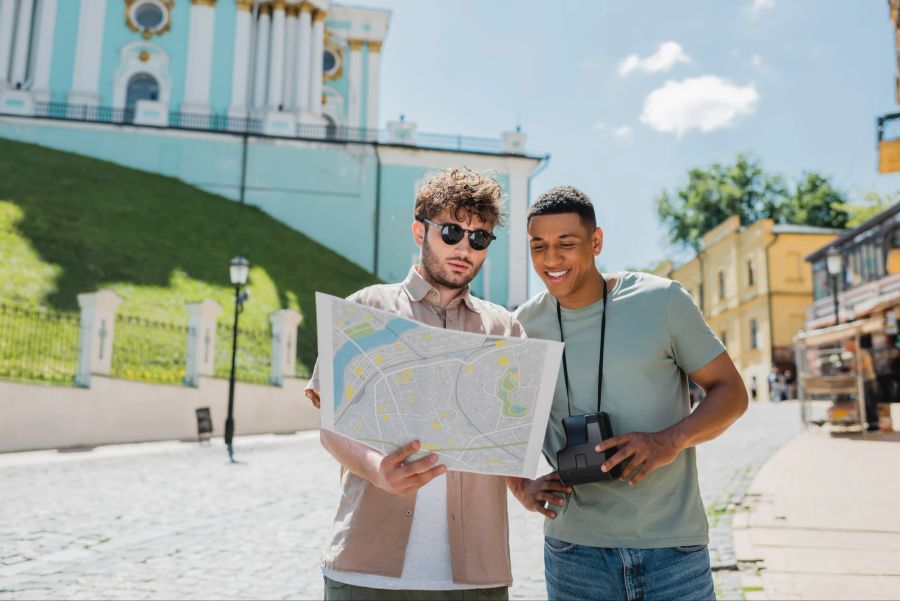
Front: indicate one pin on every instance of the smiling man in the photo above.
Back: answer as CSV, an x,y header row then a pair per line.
x,y
410,529
643,536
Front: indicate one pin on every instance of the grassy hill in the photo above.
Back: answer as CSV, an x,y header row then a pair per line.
x,y
71,224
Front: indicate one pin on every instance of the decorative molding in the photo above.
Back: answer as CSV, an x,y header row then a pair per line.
x,y
293,10
165,5
265,9
338,71
356,45
144,56
374,46
305,7
246,5
319,15
204,2
279,5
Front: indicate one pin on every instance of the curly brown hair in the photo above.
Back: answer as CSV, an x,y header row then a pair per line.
x,y
463,193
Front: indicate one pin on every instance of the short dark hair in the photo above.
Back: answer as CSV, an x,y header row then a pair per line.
x,y
564,199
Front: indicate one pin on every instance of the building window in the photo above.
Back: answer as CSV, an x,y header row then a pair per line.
x,y
754,334
750,275
149,17
721,285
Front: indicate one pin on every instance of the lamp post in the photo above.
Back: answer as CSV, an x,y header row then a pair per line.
x,y
238,271
833,263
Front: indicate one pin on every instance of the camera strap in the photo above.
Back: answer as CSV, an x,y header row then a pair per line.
x,y
602,345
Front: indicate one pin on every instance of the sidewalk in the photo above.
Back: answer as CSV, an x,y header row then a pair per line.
x,y
822,520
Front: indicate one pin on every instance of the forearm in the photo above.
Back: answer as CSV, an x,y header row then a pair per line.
x,y
725,402
354,456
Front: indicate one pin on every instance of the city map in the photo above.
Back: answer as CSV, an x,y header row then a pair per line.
x,y
480,402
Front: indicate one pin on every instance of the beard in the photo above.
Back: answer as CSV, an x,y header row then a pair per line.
x,y
439,275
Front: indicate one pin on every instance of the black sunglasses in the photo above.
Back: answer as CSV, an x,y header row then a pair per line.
x,y
452,233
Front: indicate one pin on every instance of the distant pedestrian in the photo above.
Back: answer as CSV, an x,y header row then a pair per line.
x,y
753,387
774,388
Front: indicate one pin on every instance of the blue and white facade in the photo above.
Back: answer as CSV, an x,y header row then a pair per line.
x,y
272,102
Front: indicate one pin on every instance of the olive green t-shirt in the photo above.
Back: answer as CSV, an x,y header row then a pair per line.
x,y
655,335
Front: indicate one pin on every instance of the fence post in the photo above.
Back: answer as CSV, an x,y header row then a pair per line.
x,y
200,358
284,345
98,326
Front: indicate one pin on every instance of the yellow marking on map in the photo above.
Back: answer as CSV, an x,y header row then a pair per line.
x,y
378,359
443,414
503,360
381,410
436,425
470,368
500,343
368,317
451,442
398,345
349,392
430,446
404,376
426,337
385,417
357,371
358,426
411,398
493,461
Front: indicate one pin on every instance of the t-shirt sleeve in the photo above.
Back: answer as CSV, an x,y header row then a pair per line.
x,y
693,342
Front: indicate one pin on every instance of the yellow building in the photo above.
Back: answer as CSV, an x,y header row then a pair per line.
x,y
754,286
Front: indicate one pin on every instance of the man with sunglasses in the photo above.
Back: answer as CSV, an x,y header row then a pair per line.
x,y
410,529
631,340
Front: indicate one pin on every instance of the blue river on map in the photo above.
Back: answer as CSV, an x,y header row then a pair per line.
x,y
347,351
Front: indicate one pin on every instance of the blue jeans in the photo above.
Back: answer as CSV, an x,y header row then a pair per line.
x,y
594,573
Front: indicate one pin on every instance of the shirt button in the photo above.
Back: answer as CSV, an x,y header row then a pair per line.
x,y
408,512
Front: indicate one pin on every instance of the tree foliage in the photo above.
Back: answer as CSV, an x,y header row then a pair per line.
x,y
745,189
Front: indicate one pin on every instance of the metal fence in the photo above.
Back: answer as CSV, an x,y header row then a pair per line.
x,y
38,345
220,123
254,354
149,351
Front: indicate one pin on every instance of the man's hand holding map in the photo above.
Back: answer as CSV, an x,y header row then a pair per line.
x,y
480,402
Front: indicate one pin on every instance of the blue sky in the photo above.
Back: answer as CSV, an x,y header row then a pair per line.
x,y
796,83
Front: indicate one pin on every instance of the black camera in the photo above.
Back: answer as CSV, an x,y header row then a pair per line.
x,y
578,462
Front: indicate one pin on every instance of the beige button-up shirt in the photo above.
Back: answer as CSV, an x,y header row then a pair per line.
x,y
371,528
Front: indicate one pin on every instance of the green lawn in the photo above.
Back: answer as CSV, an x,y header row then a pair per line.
x,y
71,224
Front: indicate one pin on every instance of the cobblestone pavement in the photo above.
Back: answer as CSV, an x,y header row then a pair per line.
x,y
177,521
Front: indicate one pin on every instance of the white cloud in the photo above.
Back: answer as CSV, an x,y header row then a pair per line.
x,y
666,56
623,132
760,6
705,103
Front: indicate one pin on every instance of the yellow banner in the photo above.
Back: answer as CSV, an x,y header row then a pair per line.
x,y
889,156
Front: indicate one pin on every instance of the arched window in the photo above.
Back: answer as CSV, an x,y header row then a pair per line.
x,y
140,87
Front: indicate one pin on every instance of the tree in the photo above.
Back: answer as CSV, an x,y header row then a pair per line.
x,y
744,189
873,203
815,202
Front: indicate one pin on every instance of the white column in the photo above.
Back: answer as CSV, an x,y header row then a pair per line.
x,y
354,91
276,56
318,48
88,49
22,44
284,345
7,17
44,49
201,340
304,42
374,91
518,232
98,325
290,57
262,55
241,59
199,57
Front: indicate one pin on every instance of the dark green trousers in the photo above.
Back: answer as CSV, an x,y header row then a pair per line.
x,y
337,591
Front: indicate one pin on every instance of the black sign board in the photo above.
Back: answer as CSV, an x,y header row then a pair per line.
x,y
204,423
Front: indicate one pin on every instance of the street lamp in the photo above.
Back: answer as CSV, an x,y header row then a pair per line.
x,y
238,271
833,263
